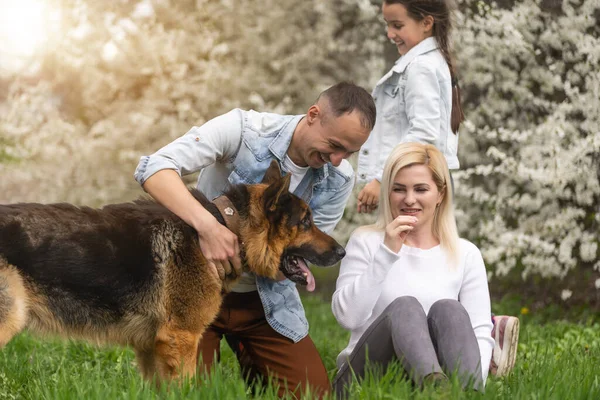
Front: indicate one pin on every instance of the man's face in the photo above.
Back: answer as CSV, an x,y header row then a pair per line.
x,y
332,139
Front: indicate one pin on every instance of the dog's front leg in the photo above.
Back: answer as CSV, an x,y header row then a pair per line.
x,y
175,353
146,362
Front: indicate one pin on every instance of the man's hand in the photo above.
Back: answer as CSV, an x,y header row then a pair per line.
x,y
220,248
368,198
218,244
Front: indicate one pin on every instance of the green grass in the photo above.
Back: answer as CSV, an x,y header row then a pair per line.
x,y
557,360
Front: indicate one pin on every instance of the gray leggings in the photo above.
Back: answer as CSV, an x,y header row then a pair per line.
x,y
442,341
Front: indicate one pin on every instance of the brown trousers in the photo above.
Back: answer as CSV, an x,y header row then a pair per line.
x,y
263,353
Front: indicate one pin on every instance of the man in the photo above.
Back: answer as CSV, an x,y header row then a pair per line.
x,y
264,318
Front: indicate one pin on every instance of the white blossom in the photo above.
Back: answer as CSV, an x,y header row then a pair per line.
x,y
533,196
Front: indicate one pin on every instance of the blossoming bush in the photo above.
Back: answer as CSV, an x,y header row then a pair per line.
x,y
529,191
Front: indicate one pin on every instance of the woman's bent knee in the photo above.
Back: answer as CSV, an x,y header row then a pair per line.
x,y
404,308
447,308
403,303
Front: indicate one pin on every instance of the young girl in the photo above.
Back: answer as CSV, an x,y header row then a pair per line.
x,y
409,289
418,100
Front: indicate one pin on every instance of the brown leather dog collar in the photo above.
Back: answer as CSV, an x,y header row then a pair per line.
x,y
229,213
232,222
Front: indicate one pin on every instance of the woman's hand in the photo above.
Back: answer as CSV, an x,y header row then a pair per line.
x,y
368,198
397,230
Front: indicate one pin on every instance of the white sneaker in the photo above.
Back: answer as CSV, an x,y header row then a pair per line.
x,y
506,338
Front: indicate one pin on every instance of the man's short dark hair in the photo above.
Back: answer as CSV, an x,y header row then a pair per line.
x,y
345,97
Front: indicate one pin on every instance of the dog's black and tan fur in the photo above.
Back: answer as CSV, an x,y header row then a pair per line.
x,y
134,274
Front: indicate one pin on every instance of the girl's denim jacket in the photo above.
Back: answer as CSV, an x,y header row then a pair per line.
x,y
238,147
414,103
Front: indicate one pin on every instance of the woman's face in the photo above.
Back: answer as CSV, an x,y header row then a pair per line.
x,y
415,193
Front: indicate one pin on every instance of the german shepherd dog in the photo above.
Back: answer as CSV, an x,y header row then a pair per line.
x,y
133,273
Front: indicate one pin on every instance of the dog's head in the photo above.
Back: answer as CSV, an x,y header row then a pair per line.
x,y
280,233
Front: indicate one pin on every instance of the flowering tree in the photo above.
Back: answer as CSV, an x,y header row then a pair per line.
x,y
121,79
530,192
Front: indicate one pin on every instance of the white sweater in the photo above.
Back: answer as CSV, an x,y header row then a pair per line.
x,y
372,276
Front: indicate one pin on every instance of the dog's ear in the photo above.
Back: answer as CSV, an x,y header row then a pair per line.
x,y
273,173
277,193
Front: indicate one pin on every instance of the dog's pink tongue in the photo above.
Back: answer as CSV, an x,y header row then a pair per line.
x,y
310,286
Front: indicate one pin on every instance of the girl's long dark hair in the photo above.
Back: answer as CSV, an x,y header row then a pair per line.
x,y
440,11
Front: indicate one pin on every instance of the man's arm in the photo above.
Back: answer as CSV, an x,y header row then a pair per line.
x,y
219,245
159,174
217,140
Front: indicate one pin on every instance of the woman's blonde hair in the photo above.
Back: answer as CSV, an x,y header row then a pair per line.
x,y
444,223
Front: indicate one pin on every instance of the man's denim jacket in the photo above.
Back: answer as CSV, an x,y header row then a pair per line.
x,y
414,104
238,147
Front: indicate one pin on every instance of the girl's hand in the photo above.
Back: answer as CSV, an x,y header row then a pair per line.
x,y
368,198
397,230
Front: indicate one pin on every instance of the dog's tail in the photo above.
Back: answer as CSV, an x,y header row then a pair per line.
x,y
13,302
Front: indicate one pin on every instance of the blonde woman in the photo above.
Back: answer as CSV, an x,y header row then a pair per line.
x,y
409,288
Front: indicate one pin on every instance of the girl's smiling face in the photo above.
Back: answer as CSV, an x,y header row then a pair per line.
x,y
403,30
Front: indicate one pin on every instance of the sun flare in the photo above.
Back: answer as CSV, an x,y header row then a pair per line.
x,y
25,26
